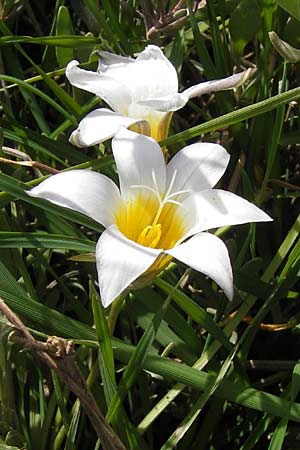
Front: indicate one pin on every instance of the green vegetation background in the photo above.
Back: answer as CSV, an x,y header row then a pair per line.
x,y
204,374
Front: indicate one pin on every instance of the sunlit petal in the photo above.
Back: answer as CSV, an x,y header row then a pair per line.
x,y
198,166
149,75
155,76
113,91
120,261
219,85
216,208
110,61
171,102
85,191
139,160
98,126
207,254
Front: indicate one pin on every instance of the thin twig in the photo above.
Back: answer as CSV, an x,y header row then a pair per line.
x,y
33,164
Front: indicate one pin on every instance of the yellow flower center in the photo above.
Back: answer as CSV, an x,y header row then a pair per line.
x,y
156,124
150,223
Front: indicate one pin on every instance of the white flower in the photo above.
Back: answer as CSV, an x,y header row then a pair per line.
x,y
142,93
158,213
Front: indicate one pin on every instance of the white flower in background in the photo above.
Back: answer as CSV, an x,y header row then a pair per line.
x,y
158,213
142,93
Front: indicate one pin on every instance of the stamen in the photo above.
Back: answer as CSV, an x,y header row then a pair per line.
x,y
155,183
150,236
175,202
184,191
148,188
167,194
167,198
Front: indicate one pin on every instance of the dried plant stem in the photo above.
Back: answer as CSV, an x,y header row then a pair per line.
x,y
58,354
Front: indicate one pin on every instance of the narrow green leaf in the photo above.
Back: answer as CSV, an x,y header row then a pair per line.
x,y
137,359
195,312
57,41
291,6
64,27
44,240
41,94
234,117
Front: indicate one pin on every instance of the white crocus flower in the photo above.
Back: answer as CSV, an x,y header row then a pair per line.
x,y
159,212
142,93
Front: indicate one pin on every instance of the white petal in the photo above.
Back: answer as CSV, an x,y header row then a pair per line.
x,y
151,75
218,85
120,262
207,254
138,157
198,166
110,61
154,75
85,191
114,92
216,208
171,102
98,126
158,70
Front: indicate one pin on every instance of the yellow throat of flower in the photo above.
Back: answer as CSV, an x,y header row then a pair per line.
x,y
145,221
156,125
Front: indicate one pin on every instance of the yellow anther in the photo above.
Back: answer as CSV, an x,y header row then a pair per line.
x,y
150,235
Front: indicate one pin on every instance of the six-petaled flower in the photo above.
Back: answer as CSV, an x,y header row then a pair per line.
x,y
142,93
158,212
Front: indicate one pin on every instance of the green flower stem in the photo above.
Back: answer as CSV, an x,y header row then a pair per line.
x,y
114,312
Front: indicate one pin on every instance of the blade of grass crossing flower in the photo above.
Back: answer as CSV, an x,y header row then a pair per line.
x,y
234,117
138,357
